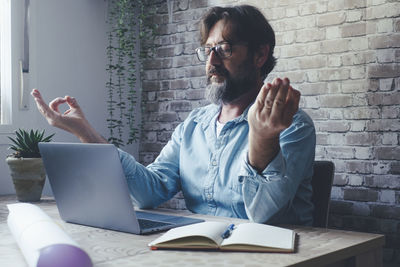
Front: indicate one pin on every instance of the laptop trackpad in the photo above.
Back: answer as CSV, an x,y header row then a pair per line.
x,y
154,216
166,218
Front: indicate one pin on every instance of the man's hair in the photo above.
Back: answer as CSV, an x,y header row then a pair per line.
x,y
243,23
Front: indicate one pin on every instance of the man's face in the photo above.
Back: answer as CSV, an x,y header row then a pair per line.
x,y
230,78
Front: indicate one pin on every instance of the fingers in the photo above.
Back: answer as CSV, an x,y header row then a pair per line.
x,y
279,99
269,100
260,101
71,101
42,106
56,102
35,93
292,105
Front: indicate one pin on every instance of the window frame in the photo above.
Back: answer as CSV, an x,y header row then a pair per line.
x,y
6,65
11,117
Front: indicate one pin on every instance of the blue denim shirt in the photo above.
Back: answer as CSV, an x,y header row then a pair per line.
x,y
216,178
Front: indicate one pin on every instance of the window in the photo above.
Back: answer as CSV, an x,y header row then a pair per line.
x,y
5,62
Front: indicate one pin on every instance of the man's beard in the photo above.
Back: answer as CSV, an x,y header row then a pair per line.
x,y
233,86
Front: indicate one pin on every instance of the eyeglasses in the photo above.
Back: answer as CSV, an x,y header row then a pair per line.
x,y
223,50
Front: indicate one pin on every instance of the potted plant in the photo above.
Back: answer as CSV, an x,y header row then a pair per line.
x,y
26,165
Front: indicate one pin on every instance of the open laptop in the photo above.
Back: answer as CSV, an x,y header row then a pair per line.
x,y
90,188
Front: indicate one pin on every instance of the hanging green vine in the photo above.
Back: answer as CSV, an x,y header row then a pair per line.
x,y
125,19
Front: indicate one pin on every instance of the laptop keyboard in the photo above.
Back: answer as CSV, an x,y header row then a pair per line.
x,y
146,224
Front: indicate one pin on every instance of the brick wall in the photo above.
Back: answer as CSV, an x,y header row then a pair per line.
x,y
343,56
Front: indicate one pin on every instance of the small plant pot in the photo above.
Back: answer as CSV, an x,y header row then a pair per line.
x,y
28,175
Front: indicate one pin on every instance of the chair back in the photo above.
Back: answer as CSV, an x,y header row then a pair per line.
x,y
322,184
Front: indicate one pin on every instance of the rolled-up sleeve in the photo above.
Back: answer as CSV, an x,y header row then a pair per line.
x,y
158,182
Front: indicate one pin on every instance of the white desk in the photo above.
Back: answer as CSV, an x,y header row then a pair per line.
x,y
316,247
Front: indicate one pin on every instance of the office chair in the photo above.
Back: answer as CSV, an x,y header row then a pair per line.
x,y
321,183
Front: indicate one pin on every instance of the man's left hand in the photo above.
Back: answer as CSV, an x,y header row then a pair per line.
x,y
272,112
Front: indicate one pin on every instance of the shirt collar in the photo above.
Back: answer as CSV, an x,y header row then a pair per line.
x,y
244,115
214,110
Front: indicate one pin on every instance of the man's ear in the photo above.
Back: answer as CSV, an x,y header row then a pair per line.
x,y
261,55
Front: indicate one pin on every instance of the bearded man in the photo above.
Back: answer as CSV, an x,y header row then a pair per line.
x,y
249,154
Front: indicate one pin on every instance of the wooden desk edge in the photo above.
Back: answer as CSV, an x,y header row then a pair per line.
x,y
374,245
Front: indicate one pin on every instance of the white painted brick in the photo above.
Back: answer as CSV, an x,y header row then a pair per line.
x,y
357,72
313,48
292,11
340,166
334,61
277,51
294,50
355,180
296,76
354,15
313,7
375,2
276,13
350,4
336,5
360,100
337,151
371,27
333,32
354,86
361,209
381,168
385,25
336,114
334,87
386,84
311,102
289,37
312,76
363,152
386,55
278,38
336,192
295,23
281,65
312,62
387,196
389,139
334,74
390,112
358,43
335,46
309,35
331,19
383,11
361,113
151,96
353,29
362,57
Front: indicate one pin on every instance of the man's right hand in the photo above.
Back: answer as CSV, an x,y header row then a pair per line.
x,y
72,120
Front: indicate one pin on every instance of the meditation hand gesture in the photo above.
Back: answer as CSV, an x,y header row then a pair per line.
x,y
72,120
272,112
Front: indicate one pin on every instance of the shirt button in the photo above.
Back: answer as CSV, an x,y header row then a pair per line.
x,y
214,163
241,179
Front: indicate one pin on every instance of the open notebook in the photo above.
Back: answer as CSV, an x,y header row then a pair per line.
x,y
228,237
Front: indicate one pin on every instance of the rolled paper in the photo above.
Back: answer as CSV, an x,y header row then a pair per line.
x,y
42,242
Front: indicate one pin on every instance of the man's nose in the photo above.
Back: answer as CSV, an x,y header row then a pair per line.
x,y
214,59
